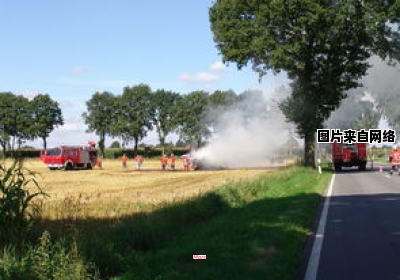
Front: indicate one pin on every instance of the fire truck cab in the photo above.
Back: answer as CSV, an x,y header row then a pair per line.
x,y
70,157
349,155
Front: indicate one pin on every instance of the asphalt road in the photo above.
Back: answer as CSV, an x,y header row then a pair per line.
x,y
360,237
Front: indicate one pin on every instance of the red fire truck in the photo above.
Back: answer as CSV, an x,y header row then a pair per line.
x,y
349,155
70,157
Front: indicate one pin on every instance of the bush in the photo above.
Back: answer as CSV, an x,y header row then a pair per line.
x,y
18,210
22,153
46,261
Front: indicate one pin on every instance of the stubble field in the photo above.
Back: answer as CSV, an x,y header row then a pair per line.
x,y
113,191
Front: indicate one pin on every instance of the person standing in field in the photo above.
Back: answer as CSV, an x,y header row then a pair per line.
x,y
124,160
164,161
172,161
139,160
98,162
186,162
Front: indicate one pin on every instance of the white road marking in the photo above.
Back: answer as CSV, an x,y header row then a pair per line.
x,y
313,262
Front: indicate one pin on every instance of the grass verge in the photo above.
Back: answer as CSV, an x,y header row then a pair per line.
x,y
249,230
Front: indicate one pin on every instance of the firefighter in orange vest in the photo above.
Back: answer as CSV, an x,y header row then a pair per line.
x,y
124,160
98,163
394,159
172,161
139,161
186,162
164,161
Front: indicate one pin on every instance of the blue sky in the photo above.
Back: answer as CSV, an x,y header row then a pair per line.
x,y
71,49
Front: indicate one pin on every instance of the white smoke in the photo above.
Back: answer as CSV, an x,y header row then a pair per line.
x,y
380,88
382,78
246,135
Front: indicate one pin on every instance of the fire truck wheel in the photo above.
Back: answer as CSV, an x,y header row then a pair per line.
x,y
68,166
362,167
338,167
89,166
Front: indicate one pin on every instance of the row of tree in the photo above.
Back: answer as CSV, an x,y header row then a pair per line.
x,y
131,115
138,110
22,119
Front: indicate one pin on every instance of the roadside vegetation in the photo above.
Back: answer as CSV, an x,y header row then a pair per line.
x,y
249,224
20,209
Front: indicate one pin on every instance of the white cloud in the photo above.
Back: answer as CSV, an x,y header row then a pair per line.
x,y
69,127
77,70
201,77
30,94
212,75
217,67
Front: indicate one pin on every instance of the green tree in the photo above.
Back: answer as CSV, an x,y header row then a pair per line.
x,y
6,99
134,113
193,117
100,116
165,116
46,114
115,144
222,99
323,46
15,120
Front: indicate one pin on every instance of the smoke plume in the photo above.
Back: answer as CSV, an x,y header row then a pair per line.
x,y
377,99
247,134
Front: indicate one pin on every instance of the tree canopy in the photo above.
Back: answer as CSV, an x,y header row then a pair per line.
x,y
46,115
133,114
22,119
99,116
193,126
323,46
165,117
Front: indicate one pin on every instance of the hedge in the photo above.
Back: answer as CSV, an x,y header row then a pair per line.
x,y
111,153
24,153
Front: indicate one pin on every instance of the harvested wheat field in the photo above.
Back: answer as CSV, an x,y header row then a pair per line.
x,y
114,191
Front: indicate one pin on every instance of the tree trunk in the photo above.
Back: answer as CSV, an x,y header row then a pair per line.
x,y
12,147
309,150
44,143
161,136
102,143
136,139
4,147
162,141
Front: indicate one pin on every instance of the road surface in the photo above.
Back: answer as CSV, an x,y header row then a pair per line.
x,y
360,236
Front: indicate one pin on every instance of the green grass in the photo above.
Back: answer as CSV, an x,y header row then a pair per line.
x,y
250,230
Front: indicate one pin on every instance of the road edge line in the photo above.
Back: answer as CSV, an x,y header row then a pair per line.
x,y
313,261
